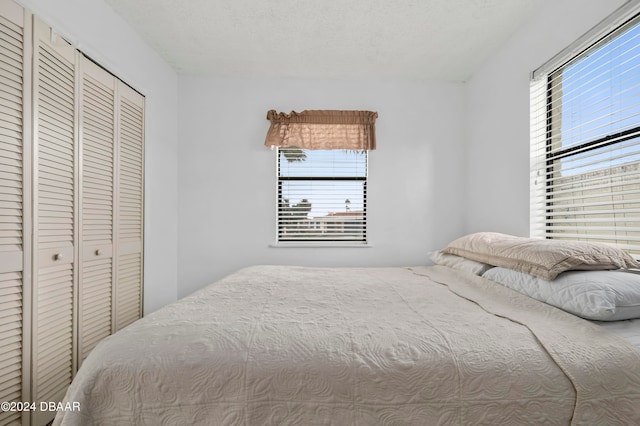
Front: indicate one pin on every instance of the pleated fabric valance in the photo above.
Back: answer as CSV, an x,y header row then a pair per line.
x,y
322,129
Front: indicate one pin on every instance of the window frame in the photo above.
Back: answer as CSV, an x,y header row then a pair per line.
x,y
281,241
546,126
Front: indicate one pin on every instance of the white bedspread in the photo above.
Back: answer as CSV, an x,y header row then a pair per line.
x,y
627,329
274,345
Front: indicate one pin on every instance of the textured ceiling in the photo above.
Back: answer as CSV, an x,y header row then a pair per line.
x,y
402,39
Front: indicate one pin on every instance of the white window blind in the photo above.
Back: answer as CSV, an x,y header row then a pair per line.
x,y
585,143
322,195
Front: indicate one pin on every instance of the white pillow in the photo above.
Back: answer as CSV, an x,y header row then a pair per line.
x,y
594,295
459,263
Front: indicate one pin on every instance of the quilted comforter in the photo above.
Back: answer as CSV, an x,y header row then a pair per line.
x,y
276,345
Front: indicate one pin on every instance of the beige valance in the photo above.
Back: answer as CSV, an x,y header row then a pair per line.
x,y
322,129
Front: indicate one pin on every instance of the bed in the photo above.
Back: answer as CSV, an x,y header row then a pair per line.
x,y
423,345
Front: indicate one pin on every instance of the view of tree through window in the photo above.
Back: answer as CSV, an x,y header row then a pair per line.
x,y
322,195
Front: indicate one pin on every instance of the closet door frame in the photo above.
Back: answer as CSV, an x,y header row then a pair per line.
x,y
27,283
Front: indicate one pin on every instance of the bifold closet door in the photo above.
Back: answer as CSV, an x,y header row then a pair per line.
x,y
14,203
111,206
71,210
54,216
97,150
130,206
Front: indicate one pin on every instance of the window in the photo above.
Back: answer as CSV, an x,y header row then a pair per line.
x,y
585,144
322,195
322,174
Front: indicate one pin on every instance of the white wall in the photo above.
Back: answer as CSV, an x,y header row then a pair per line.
x,y
498,113
93,27
227,177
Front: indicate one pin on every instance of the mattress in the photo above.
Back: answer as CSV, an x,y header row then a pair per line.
x,y
276,345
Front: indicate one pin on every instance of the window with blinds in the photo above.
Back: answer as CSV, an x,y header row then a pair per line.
x,y
322,195
585,143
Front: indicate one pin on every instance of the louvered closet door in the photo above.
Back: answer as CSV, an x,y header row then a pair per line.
x,y
54,217
13,204
130,202
97,135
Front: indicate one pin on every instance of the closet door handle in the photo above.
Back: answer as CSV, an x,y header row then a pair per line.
x,y
98,252
57,256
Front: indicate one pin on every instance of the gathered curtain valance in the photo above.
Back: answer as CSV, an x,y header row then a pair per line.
x,y
322,129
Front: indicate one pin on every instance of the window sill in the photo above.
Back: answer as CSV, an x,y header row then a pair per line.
x,y
332,244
